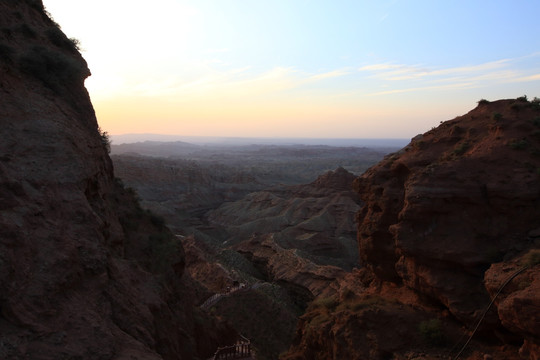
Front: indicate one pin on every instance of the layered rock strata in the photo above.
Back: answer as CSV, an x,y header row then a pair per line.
x,y
446,223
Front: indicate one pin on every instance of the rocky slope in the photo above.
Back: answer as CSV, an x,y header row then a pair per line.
x,y
316,219
292,243
446,221
181,190
84,272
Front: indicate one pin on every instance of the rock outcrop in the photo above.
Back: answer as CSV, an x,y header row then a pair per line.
x,y
457,201
84,272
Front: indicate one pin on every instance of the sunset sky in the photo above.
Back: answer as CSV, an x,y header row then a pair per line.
x,y
300,68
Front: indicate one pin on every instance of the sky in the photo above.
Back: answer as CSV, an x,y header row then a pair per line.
x,y
300,68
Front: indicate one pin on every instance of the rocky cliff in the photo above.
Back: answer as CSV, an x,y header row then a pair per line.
x,y
446,222
84,272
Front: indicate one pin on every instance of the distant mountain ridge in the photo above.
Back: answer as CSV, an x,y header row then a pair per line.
x,y
238,141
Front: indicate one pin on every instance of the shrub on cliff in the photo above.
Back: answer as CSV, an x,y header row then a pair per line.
x,y
105,139
483,102
53,68
532,258
431,331
58,38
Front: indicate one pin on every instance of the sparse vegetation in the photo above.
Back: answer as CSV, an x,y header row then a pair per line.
x,y
519,144
318,320
461,148
524,284
419,145
515,106
532,258
329,303
522,98
105,139
57,37
496,116
53,68
431,332
535,104
483,102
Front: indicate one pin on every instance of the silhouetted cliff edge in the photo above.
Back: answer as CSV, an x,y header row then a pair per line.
x,y
84,272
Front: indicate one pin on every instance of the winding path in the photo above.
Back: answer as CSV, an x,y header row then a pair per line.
x,y
242,348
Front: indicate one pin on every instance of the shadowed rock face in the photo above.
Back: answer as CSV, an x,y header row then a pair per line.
x,y
82,274
457,199
447,220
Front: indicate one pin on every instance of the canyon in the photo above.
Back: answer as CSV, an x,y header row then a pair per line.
x,y
439,226
431,251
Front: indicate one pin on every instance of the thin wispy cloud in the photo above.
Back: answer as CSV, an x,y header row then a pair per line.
x,y
400,77
330,74
457,86
535,77
213,78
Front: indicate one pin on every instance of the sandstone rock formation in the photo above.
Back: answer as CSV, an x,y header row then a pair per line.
x,y
84,272
459,200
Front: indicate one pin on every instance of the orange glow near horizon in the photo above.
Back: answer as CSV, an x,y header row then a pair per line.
x,y
361,69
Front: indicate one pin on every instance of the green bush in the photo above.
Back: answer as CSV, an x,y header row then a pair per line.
x,y
105,139
532,258
329,303
461,148
53,68
519,144
58,38
483,102
535,104
431,332
496,116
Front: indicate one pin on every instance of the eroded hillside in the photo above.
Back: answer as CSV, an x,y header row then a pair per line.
x,y
286,244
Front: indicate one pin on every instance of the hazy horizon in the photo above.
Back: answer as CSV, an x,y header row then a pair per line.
x,y
120,139
300,68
